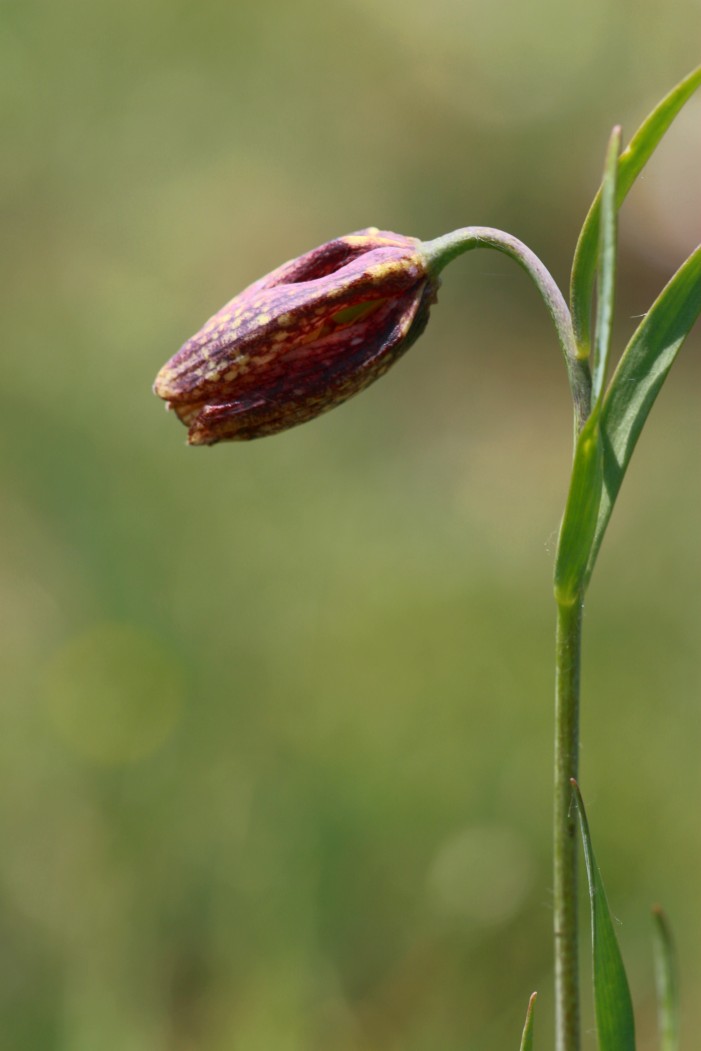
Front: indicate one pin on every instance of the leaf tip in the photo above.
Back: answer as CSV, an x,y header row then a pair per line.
x,y
527,1036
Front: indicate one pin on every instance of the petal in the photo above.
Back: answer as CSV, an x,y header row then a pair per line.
x,y
300,386
262,323
330,257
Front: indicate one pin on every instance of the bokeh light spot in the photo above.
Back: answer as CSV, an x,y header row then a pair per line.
x,y
483,875
113,693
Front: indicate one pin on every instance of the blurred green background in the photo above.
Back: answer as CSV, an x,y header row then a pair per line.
x,y
276,735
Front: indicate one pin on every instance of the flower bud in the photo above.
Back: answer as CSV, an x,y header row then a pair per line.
x,y
301,340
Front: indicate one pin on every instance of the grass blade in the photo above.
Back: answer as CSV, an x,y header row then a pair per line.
x,y
527,1038
636,383
612,1002
666,982
630,164
606,282
581,517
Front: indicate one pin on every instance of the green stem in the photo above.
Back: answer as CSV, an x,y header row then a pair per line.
x,y
568,653
440,252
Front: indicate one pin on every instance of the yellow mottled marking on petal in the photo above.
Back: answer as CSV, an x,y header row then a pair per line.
x,y
315,332
381,271
362,239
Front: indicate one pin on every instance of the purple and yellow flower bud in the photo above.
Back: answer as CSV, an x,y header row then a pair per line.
x,y
311,334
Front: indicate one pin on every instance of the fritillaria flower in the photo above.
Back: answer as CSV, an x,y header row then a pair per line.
x,y
305,338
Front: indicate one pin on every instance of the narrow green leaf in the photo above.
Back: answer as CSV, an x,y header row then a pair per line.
x,y
612,1003
630,164
606,281
666,982
636,383
527,1038
581,515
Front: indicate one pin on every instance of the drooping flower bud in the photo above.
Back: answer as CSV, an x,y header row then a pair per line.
x,y
301,340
